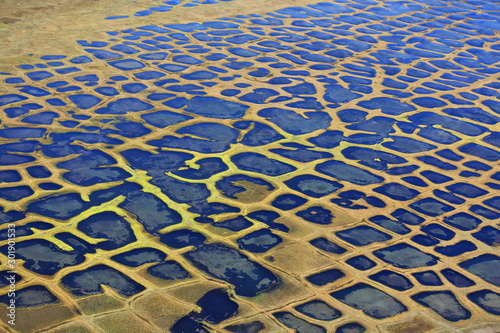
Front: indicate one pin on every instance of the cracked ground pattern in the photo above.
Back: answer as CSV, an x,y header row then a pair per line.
x,y
331,167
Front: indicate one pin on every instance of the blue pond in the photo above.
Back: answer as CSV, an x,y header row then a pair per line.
x,y
293,322
325,277
259,241
319,310
392,280
110,226
213,107
313,186
485,266
225,263
372,301
182,238
327,245
88,282
405,256
428,278
31,296
261,164
486,299
138,257
168,270
444,303
361,262
363,235
43,257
